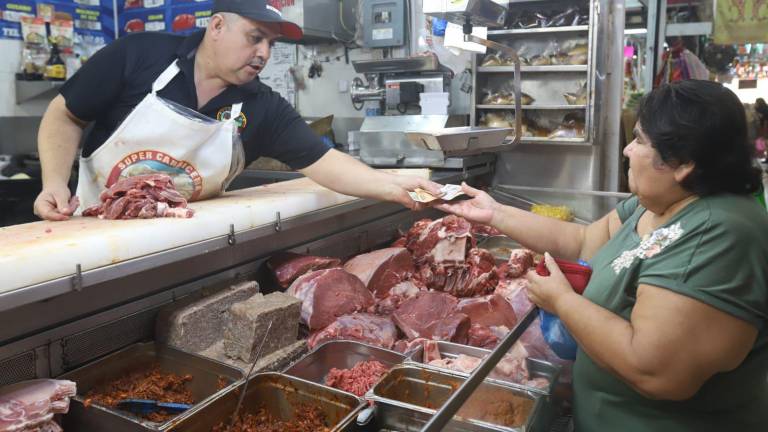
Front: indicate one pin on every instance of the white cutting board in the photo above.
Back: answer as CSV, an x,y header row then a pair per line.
x,y
41,251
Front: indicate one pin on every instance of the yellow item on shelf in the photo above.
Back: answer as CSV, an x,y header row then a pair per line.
x,y
558,212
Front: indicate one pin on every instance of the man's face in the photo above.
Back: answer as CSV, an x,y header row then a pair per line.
x,y
242,48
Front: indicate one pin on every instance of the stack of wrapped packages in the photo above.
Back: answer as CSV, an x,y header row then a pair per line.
x,y
29,406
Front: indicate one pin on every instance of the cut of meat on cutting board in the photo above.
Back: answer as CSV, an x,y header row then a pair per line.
x,y
41,251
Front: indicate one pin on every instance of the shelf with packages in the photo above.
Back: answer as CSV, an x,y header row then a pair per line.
x,y
511,69
565,29
532,107
557,90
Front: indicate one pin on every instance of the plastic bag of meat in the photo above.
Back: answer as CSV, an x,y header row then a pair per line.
x,y
28,405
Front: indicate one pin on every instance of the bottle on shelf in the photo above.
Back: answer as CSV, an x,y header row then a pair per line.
x,y
55,69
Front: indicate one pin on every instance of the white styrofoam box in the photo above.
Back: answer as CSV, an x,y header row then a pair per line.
x,y
434,103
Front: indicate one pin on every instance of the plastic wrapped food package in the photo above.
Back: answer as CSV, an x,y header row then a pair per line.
x,y
505,96
571,127
578,97
527,19
30,405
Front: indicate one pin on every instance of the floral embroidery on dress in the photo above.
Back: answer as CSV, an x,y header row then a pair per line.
x,y
649,247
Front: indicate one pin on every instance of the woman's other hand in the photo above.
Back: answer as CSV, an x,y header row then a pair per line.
x,y
546,291
481,208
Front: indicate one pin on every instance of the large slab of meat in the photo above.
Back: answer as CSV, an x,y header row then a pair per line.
x,y
141,197
287,266
328,294
432,315
444,241
381,270
31,405
362,327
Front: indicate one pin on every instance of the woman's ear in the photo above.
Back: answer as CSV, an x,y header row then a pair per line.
x,y
683,171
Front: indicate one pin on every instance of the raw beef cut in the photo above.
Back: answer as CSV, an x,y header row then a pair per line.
x,y
487,337
443,241
328,294
409,239
490,310
477,276
512,367
432,315
141,197
486,230
287,266
361,327
32,404
398,294
516,293
520,261
382,269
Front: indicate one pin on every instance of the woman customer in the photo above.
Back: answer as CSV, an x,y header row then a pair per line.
x,y
672,326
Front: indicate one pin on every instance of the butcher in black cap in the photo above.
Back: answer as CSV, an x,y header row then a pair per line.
x,y
123,92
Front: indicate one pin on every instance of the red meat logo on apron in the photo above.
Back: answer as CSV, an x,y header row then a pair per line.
x,y
185,176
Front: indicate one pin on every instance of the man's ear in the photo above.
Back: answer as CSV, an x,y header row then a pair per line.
x,y
216,24
683,171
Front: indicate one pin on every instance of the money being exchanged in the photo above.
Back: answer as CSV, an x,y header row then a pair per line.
x,y
449,192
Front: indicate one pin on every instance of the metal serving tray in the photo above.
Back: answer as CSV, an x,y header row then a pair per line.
x,y
465,140
396,418
204,385
278,394
426,390
341,355
536,368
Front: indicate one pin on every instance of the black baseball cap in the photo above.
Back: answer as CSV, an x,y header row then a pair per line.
x,y
260,10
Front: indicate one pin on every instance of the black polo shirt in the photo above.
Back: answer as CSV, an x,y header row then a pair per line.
x,y
119,76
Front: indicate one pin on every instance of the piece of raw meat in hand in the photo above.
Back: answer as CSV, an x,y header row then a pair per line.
x,y
361,327
287,266
141,197
29,404
328,294
382,269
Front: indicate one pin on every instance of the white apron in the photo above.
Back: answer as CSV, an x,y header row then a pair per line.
x,y
201,154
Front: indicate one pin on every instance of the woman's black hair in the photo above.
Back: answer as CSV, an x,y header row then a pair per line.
x,y
704,123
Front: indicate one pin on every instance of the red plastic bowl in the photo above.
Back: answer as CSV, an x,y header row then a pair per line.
x,y
577,274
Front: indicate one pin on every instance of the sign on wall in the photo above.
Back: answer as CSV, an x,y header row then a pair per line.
x,y
741,21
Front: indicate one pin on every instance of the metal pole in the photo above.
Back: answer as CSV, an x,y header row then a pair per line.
x,y
454,403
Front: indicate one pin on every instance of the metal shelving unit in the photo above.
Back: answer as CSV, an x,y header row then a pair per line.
x,y
534,107
567,29
546,84
528,69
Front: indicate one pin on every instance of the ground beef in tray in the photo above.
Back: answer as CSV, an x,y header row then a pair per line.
x,y
306,419
357,380
153,384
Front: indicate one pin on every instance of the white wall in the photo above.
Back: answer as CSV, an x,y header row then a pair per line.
x,y
10,60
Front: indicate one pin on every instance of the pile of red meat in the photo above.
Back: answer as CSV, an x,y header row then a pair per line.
x,y
141,197
434,283
358,379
